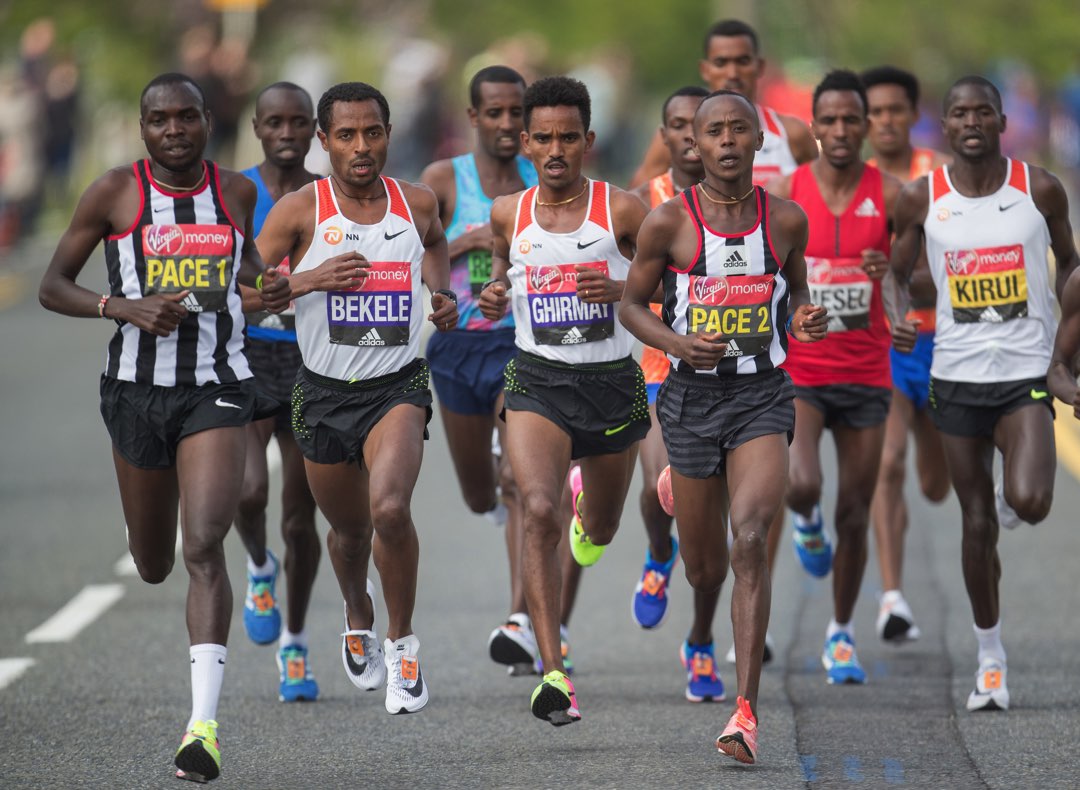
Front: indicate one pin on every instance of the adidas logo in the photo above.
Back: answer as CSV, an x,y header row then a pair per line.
x,y
990,316
191,303
372,338
573,337
735,261
733,349
867,209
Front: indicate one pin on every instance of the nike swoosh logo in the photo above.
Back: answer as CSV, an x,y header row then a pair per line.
x,y
613,431
418,689
388,237
1038,394
581,246
1006,208
220,402
159,209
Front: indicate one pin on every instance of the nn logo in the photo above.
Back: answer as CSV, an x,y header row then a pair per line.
x,y
332,235
352,237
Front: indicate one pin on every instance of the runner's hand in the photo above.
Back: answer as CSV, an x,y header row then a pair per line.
x,y
810,323
593,287
276,292
343,272
444,313
904,335
875,264
479,238
1076,404
493,301
158,314
702,351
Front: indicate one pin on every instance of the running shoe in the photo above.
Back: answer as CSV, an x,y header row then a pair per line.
x,y
739,739
296,682
767,656
1007,518
564,648
199,757
514,644
650,603
702,682
812,546
361,652
406,691
840,661
895,622
585,552
990,692
663,491
555,700
262,618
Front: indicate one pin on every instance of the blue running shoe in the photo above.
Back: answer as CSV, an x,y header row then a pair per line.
x,y
262,618
702,682
650,605
812,546
840,661
297,683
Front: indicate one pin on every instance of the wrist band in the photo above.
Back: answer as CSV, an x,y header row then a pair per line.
x,y
492,281
258,282
101,305
448,294
790,318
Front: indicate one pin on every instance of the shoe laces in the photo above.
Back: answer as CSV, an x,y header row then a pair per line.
x,y
204,730
261,597
654,583
295,662
842,650
744,715
702,665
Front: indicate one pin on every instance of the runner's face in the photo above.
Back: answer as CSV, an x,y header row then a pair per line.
x,y
499,119
891,118
284,123
731,64
357,141
678,134
174,126
973,123
840,126
556,142
726,134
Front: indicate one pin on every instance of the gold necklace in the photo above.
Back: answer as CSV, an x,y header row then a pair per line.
x,y
731,201
174,188
539,202
355,197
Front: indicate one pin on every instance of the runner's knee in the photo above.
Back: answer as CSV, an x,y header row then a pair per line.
x,y
803,492
1031,505
706,576
390,513
254,497
154,570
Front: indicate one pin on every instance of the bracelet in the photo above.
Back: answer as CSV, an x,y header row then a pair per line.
x,y
101,305
492,281
258,282
448,294
790,318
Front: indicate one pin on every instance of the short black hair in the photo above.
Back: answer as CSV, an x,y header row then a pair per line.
x,y
731,28
503,74
840,80
890,75
170,78
737,95
979,81
558,92
350,92
285,86
689,90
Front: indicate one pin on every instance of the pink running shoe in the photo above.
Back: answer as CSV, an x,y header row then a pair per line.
x,y
739,739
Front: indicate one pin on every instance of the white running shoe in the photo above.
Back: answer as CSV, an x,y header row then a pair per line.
x,y
1007,518
514,644
406,691
990,692
361,653
498,514
770,651
895,622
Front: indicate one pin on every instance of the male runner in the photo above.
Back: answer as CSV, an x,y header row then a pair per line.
x,y
573,390
360,243
1065,361
892,98
284,123
988,221
842,383
733,62
730,258
176,392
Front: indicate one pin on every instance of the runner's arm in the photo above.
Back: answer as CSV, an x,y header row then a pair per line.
x,y
808,322
800,139
1050,198
493,298
657,160
1065,361
911,206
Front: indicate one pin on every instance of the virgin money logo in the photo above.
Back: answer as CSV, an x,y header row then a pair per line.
x,y
332,235
711,290
821,270
962,261
546,279
163,240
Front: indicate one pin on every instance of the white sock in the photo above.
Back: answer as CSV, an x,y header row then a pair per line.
x,y
990,642
288,638
497,515
564,633
889,597
806,523
266,569
207,672
839,628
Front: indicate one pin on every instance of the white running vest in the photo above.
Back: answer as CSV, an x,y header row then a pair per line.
x,y
775,157
988,257
550,320
373,330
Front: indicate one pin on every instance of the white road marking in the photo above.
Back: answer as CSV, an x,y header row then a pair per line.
x,y
11,668
89,604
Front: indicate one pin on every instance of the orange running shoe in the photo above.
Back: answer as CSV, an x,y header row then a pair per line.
x,y
739,739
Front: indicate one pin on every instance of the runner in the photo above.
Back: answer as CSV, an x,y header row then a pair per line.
x,y
176,392
1061,377
842,383
284,123
732,61
892,97
730,259
361,243
573,390
995,329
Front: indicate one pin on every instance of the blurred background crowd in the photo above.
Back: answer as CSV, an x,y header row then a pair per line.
x,y
70,81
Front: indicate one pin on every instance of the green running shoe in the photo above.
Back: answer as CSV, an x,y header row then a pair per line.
x,y
555,700
199,757
585,552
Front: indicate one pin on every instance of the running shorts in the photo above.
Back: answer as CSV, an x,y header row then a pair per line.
x,y
911,372
848,405
274,365
961,408
467,368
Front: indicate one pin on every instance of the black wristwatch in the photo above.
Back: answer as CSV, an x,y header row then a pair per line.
x,y
448,294
492,281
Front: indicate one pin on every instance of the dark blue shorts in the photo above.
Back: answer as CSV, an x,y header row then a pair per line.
x,y
911,372
467,368
653,390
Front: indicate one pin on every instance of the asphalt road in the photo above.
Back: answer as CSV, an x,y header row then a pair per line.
x,y
105,706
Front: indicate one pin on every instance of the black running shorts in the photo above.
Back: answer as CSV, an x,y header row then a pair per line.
x,y
274,365
146,422
961,408
331,418
603,407
848,405
703,416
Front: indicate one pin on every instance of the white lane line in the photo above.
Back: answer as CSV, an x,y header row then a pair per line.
x,y
11,668
89,604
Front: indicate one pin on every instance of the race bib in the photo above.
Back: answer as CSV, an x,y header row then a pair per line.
x,y
558,317
842,287
377,312
196,258
739,308
479,266
987,285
